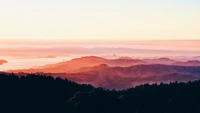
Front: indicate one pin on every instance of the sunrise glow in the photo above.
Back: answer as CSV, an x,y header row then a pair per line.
x,y
99,20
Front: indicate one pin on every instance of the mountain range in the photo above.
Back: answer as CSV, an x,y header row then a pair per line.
x,y
188,63
120,73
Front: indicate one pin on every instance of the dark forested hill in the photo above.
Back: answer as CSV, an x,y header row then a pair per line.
x,y
44,94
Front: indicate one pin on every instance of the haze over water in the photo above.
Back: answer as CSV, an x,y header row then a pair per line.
x,y
31,54
38,32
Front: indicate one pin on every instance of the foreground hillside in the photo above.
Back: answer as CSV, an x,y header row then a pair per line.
x,y
44,94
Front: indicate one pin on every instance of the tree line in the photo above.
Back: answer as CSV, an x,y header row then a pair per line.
x,y
45,94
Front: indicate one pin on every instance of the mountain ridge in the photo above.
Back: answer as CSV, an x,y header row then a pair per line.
x,y
126,77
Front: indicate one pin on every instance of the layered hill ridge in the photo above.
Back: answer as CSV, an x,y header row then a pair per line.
x,y
188,63
91,69
77,63
126,77
119,73
162,60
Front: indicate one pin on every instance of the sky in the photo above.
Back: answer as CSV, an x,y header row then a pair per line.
x,y
82,20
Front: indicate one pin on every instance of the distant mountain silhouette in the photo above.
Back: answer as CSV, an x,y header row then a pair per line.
x,y
195,57
3,61
150,70
188,63
126,77
120,73
160,61
127,58
91,69
77,63
72,66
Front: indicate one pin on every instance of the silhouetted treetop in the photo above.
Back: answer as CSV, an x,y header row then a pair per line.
x,y
45,94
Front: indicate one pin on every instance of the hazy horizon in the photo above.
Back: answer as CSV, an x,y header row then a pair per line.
x,y
59,29
99,20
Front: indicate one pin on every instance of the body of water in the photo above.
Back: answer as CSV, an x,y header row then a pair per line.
x,y
25,63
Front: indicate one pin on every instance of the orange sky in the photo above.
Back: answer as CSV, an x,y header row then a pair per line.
x,y
183,45
99,20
